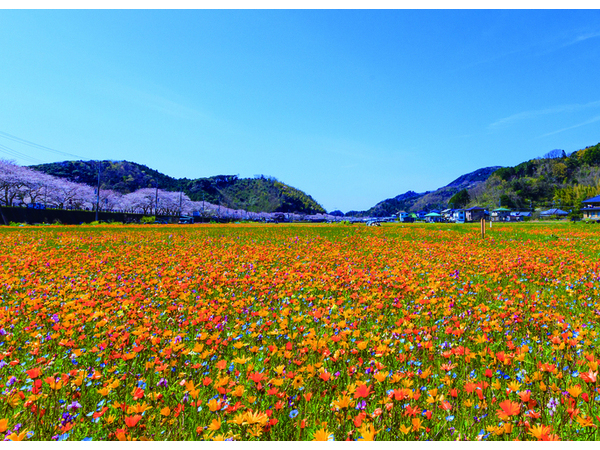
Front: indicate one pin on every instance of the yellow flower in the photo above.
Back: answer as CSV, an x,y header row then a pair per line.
x,y
138,408
367,432
404,429
574,391
343,402
514,386
298,382
214,405
380,376
238,419
322,434
538,431
585,421
104,391
417,424
256,418
215,424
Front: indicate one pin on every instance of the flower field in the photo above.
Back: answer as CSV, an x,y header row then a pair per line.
x,y
299,332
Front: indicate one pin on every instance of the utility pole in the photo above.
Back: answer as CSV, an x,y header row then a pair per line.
x,y
156,200
180,201
98,194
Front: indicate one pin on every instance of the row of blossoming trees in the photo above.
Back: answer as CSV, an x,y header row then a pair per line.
x,y
21,186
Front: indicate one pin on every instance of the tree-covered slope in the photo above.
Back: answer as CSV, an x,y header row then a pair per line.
x,y
260,194
557,179
412,201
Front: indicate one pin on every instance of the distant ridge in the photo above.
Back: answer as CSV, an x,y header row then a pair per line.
x,y
412,201
258,194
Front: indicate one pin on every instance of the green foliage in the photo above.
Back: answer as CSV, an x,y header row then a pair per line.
x,y
558,178
590,155
148,219
460,199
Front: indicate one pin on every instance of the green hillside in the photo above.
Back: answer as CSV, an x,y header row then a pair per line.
x,y
259,194
556,180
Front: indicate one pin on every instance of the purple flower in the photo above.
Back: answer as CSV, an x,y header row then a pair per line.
x,y
162,383
11,381
75,405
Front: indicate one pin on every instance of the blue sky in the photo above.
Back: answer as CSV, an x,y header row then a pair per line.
x,y
352,107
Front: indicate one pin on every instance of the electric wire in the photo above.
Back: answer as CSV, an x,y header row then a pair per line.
x,y
16,154
39,146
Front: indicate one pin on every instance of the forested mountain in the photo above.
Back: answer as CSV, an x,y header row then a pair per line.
x,y
259,194
555,180
412,201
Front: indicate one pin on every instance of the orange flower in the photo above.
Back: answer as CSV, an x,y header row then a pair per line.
x,y
508,409
131,421
525,396
325,376
18,437
221,365
539,431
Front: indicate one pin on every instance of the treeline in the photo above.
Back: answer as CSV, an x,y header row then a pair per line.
x,y
258,194
554,180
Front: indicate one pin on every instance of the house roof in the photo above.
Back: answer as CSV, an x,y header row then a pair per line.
x,y
502,210
593,199
554,212
475,208
433,214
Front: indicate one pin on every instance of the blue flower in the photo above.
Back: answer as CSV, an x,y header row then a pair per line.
x,y
450,418
293,413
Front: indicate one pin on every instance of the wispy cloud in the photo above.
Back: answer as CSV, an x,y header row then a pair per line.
x,y
587,122
532,114
579,37
543,47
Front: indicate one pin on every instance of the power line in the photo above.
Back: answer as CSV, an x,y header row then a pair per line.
x,y
39,146
16,154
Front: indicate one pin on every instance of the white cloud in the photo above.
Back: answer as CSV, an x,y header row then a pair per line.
x,y
532,114
587,122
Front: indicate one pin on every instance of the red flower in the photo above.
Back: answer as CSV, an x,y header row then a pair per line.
x,y
138,393
363,391
34,373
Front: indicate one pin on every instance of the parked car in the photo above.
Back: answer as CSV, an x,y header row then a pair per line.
x,y
186,220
